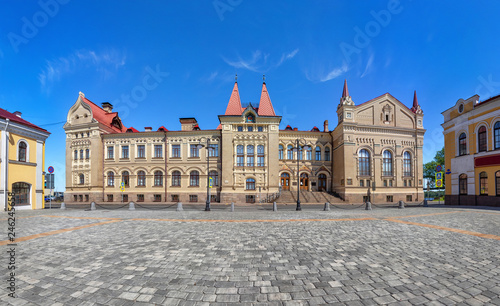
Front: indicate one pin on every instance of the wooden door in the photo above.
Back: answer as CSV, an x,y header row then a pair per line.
x,y
304,181
285,181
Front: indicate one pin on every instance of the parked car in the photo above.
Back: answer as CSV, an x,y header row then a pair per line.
x,y
50,198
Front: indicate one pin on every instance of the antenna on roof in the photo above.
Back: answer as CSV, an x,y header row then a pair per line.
x,y
236,78
264,78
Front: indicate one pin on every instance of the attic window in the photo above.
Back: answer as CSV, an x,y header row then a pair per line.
x,y
288,128
250,118
461,108
386,113
76,117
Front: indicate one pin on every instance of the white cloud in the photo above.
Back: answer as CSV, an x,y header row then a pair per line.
x,y
260,62
335,73
369,66
106,63
250,64
288,56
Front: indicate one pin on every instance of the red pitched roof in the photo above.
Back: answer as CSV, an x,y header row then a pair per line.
x,y
102,116
415,102
265,105
8,115
162,128
219,127
132,130
234,105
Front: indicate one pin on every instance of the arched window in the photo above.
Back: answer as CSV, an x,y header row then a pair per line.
x,y
462,144
215,177
87,154
194,178
240,157
462,184
407,164
141,178
327,154
308,153
483,183
481,139
158,178
81,154
280,151
300,153
364,163
250,184
497,182
260,156
250,156
111,179
126,178
22,151
289,152
387,163
76,155
176,178
82,179
496,134
318,153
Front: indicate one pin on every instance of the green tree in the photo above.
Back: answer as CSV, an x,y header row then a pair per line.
x,y
430,167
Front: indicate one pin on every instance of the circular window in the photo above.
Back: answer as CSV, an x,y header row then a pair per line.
x,y
461,108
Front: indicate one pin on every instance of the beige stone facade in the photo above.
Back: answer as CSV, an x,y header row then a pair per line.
x,y
250,159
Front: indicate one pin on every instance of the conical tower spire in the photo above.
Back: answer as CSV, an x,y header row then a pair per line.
x,y
234,105
265,105
345,92
346,99
416,107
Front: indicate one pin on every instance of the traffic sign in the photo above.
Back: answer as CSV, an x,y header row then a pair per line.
x,y
439,183
439,175
448,171
51,169
122,188
439,168
123,184
211,182
49,178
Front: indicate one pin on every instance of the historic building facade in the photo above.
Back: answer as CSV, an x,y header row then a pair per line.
x,y
377,144
472,152
22,160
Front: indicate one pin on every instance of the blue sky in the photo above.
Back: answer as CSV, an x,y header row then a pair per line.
x,y
157,61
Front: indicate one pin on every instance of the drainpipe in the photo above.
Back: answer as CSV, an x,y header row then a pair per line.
x,y
103,160
166,176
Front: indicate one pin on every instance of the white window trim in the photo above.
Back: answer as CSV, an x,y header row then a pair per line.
x,y
27,150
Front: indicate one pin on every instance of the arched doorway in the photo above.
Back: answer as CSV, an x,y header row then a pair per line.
x,y
22,193
322,182
304,181
285,181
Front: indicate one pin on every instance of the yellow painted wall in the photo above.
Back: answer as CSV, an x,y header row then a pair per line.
x,y
491,171
449,153
23,173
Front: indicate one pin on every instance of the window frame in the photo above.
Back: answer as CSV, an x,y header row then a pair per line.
x,y
111,179
483,183
327,154
387,168
194,151
176,151
111,152
158,151
158,178
126,178
482,139
496,135
250,156
194,178
22,150
317,155
141,151
141,178
280,152
176,178
260,156
240,156
215,177
364,163
250,184
462,184
407,164
125,152
462,144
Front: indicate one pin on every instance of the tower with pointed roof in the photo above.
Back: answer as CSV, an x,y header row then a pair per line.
x,y
346,106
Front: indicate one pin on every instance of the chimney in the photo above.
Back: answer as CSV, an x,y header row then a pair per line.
x,y
187,124
148,129
295,129
325,126
107,107
18,114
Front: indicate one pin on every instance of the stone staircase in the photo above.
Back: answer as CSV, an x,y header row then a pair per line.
x,y
308,197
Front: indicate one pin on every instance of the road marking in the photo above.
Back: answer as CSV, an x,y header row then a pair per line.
x,y
426,215
64,230
455,230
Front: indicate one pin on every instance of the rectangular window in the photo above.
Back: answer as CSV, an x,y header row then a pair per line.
x,y
213,198
365,199
176,151
140,198
368,183
362,183
260,129
110,198
124,151
240,129
111,153
86,198
385,183
157,197
125,198
250,156
75,198
175,198
240,158
408,198
409,183
250,128
194,151
405,183
158,151
250,198
260,156
390,183
141,151
193,198
388,198
80,197
349,182
214,151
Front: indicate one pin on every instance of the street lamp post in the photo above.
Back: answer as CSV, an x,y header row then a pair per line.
x,y
199,146
296,149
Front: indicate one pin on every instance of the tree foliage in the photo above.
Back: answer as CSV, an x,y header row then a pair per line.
x,y
430,167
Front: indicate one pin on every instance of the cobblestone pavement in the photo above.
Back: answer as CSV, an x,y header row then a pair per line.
x,y
421,255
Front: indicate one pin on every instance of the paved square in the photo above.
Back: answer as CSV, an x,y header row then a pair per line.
x,y
437,255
